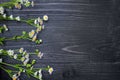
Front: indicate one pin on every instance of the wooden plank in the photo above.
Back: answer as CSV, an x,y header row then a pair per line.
x,y
77,39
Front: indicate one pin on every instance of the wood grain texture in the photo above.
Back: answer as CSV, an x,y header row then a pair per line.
x,y
81,38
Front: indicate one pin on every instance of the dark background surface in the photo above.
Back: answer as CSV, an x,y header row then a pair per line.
x,y
81,38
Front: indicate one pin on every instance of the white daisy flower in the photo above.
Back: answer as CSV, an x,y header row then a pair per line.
x,y
11,17
22,59
45,18
2,10
5,27
18,18
32,3
15,56
10,52
14,77
27,56
40,55
21,50
26,61
4,15
50,70
40,71
35,21
40,76
38,19
31,34
36,73
24,53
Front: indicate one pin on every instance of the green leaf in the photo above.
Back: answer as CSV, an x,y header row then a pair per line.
x,y
2,40
33,62
20,69
24,32
28,65
27,4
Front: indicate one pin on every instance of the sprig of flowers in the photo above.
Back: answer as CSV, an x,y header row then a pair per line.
x,y
3,28
26,66
17,4
37,22
21,55
31,36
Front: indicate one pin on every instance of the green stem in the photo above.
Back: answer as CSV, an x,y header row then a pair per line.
x,y
7,4
3,68
20,37
41,68
5,71
9,65
30,21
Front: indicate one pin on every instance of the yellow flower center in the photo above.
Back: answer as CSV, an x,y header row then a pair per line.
x,y
14,78
18,6
31,34
34,38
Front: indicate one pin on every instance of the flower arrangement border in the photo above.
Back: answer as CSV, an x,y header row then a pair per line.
x,y
26,64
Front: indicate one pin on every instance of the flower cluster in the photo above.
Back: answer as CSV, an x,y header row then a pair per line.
x,y
27,3
38,22
17,4
31,36
26,64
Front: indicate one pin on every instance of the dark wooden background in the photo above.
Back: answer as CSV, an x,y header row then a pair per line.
x,y
81,38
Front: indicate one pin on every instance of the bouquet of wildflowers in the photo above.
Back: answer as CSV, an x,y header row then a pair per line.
x,y
21,55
